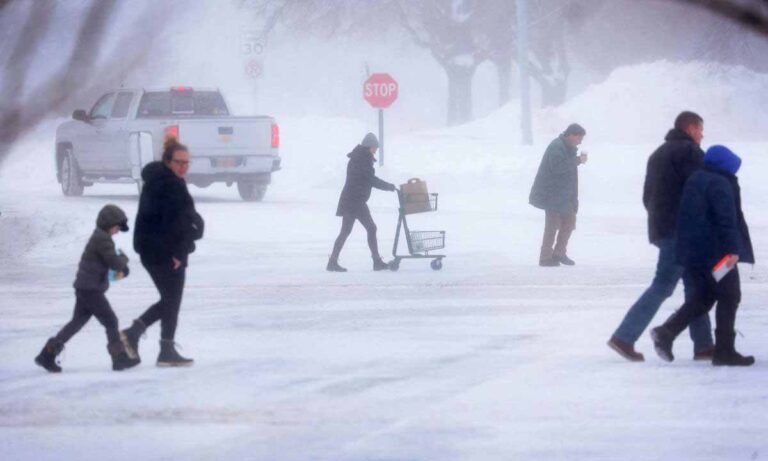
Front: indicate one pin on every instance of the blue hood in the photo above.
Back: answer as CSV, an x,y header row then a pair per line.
x,y
722,158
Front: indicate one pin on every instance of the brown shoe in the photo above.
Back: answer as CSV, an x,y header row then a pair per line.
x,y
625,350
705,355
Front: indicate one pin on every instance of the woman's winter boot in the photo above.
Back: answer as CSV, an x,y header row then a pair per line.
x,y
169,357
130,337
47,357
725,351
120,358
333,266
380,265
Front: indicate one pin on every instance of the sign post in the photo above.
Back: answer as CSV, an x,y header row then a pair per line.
x,y
380,90
251,48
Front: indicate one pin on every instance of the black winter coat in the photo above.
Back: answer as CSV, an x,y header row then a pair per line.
x,y
667,170
361,178
167,224
711,223
98,257
556,187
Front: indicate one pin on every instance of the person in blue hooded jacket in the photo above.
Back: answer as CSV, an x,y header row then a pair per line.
x,y
711,226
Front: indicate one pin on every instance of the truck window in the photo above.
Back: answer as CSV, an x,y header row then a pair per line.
x,y
122,103
102,106
186,103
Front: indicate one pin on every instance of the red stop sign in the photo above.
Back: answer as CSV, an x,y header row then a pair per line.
x,y
380,90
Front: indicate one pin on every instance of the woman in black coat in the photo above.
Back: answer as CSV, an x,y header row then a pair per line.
x,y
361,178
167,226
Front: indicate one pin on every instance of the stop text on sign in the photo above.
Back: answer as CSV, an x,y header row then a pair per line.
x,y
380,90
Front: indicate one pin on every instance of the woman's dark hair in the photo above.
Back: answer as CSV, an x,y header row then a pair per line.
x,y
170,146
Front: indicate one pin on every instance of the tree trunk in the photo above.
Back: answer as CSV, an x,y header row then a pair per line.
x,y
504,73
459,93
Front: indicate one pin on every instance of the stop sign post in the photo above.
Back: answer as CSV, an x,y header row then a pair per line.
x,y
380,90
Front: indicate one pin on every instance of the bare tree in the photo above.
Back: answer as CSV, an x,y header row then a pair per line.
x,y
83,73
452,31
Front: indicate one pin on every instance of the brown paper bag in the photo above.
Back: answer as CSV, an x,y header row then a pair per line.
x,y
415,196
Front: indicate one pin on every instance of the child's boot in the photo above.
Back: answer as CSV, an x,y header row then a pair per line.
x,y
47,357
120,359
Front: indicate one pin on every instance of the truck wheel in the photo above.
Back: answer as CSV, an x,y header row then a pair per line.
x,y
250,191
71,185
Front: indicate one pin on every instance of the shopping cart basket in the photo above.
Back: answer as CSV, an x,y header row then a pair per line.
x,y
420,243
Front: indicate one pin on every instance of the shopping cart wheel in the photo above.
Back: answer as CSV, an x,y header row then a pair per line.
x,y
394,265
436,264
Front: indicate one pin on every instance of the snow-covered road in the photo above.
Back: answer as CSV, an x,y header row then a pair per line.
x,y
492,358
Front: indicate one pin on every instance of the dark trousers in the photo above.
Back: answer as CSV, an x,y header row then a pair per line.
x,y
88,304
347,222
170,284
705,292
558,228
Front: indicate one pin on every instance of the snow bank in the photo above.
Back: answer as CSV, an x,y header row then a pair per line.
x,y
637,104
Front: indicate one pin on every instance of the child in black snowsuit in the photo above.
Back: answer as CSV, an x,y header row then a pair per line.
x,y
90,285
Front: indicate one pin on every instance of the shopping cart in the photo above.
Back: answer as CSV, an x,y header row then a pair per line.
x,y
420,243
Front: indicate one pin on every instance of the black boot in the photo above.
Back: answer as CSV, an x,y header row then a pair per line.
x,y
47,357
120,358
379,265
333,266
130,337
169,357
725,351
662,342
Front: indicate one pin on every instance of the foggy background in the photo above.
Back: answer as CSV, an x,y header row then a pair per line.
x,y
454,60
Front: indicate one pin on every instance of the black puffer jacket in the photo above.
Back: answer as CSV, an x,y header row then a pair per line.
x,y
556,187
361,178
668,169
99,255
167,223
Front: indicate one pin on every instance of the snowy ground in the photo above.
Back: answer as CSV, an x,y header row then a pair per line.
x,y
492,358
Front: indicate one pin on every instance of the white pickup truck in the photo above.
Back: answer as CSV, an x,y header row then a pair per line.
x,y
125,130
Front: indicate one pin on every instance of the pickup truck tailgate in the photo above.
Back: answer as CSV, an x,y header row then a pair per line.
x,y
246,136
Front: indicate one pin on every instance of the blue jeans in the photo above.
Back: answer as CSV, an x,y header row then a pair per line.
x,y
668,273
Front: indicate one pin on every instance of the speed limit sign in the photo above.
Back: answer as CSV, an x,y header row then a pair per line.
x,y
254,68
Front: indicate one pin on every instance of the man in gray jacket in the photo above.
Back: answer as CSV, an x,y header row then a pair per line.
x,y
91,282
556,191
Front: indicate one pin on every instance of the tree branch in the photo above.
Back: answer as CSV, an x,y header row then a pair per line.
x,y
751,17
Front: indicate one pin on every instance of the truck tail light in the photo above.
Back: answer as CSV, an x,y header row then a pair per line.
x,y
172,130
275,136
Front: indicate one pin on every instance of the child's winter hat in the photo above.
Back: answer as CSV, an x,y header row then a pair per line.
x,y
722,158
112,215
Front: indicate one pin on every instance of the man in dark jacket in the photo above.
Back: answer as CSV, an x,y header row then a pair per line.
x,y
361,178
167,226
711,228
668,169
91,284
556,191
